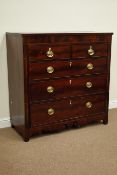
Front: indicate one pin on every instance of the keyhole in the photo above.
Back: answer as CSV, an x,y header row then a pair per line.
x,y
70,63
70,82
70,102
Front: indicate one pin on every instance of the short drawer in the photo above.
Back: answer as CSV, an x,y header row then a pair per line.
x,y
89,50
50,112
51,69
60,88
44,52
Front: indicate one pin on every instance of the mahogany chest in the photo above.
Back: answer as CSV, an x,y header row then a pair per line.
x,y
57,80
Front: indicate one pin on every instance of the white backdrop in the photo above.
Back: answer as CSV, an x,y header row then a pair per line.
x,y
55,16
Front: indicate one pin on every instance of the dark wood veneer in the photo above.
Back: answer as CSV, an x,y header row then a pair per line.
x,y
80,50
38,52
63,88
28,78
38,70
67,109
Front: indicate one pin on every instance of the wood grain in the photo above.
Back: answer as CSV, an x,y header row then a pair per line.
x,y
38,70
28,80
67,109
67,87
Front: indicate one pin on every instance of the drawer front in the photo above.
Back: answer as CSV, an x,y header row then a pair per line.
x,y
50,69
45,90
89,50
65,109
45,52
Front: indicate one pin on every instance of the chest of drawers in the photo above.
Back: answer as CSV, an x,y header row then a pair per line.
x,y
57,80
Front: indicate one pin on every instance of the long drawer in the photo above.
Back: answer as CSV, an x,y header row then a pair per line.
x,y
50,69
66,87
65,109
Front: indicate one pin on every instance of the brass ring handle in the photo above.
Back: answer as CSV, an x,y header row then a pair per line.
x,y
91,51
50,111
89,84
50,69
50,89
88,104
90,66
50,53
